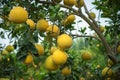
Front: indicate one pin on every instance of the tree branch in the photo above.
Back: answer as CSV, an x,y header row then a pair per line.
x,y
92,23
85,36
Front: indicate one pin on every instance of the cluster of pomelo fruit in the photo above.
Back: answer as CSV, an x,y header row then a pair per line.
x,y
8,49
64,41
58,55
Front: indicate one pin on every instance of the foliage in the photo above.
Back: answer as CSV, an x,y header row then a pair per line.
x,y
23,39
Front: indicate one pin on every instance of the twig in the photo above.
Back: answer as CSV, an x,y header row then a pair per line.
x,y
92,23
85,36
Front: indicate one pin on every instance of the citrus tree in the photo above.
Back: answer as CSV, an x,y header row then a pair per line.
x,y
43,45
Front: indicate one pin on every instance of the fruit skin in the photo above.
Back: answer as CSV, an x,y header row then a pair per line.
x,y
79,3
102,28
64,41
110,62
92,14
4,52
66,70
9,48
69,19
31,23
86,55
52,49
59,57
69,2
28,59
42,25
58,1
107,71
39,48
118,49
18,15
49,64
53,31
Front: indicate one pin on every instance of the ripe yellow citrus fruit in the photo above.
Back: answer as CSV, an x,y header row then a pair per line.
x,y
66,70
64,41
28,59
107,71
39,48
58,1
49,64
4,52
110,62
86,55
118,49
92,14
79,3
42,24
31,23
53,31
59,57
18,15
69,2
102,28
69,19
52,49
9,48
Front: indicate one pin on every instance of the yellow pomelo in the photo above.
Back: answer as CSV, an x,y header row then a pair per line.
x,y
59,57
86,55
53,31
4,52
69,2
39,48
102,28
52,49
9,48
118,49
69,19
28,59
31,23
18,15
58,1
49,64
66,70
64,41
106,71
92,14
110,62
42,24
79,3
